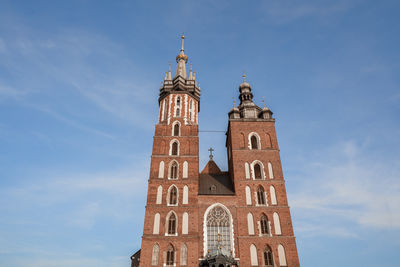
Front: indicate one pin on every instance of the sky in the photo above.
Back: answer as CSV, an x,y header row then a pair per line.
x,y
79,83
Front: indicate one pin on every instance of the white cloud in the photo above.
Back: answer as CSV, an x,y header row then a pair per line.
x,y
347,187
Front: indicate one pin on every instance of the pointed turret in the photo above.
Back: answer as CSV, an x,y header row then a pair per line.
x,y
181,82
190,72
181,59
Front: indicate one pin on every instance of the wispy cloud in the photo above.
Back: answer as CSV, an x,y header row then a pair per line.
x,y
345,188
84,67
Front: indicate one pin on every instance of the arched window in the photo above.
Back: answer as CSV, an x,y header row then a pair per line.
x,y
273,195
277,224
156,225
218,227
185,198
270,171
268,257
257,171
184,255
176,129
185,223
173,170
281,255
171,230
154,257
173,196
254,143
250,224
264,226
185,169
248,195
161,170
260,196
159,195
247,170
170,256
174,148
253,255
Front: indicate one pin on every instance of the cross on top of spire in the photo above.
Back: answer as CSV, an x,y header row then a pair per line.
x,y
211,151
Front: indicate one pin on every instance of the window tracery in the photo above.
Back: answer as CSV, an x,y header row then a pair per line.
x,y
218,223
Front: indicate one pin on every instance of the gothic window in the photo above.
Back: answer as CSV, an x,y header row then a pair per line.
x,y
281,255
159,195
268,258
170,256
247,170
260,196
173,170
273,195
154,257
161,170
250,224
173,196
185,198
185,223
264,225
176,129
257,171
253,255
171,224
248,195
156,225
277,224
185,169
270,171
184,251
174,148
219,229
254,144
254,141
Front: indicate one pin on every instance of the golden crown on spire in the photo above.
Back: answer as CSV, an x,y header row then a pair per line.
x,y
182,53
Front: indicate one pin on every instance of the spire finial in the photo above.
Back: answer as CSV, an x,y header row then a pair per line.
x,y
183,39
263,101
234,104
211,151
244,76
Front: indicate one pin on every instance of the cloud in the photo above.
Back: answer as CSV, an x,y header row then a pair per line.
x,y
81,67
348,188
86,197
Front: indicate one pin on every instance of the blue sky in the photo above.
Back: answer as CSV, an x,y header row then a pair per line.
x,y
78,103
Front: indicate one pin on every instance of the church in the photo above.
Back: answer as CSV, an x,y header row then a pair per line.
x,y
214,218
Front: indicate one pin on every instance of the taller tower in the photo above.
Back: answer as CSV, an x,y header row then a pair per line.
x,y
173,181
215,218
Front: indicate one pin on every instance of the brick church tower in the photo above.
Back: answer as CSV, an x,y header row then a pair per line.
x,y
214,218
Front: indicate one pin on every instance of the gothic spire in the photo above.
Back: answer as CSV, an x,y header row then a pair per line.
x,y
181,59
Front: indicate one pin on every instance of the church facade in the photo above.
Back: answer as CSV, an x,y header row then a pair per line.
x,y
214,218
